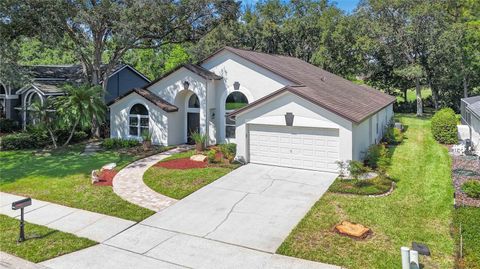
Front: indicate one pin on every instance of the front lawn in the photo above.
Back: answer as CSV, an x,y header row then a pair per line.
x,y
63,177
42,243
420,209
179,183
374,186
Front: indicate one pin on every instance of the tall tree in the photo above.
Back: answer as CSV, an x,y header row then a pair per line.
x,y
100,32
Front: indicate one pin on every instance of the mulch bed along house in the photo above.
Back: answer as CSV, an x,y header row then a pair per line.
x,y
105,178
464,168
184,163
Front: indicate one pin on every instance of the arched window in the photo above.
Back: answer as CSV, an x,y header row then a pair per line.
x,y
31,98
193,102
138,120
235,100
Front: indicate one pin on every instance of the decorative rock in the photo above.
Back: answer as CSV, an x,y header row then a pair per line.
x,y
95,177
198,158
109,166
352,229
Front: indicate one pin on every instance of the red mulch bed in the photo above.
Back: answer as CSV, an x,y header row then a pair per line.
x,y
184,163
106,178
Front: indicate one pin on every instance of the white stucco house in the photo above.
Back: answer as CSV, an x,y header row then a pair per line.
x,y
279,110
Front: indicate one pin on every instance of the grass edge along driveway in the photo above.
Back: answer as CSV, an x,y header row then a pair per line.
x,y
42,243
420,209
63,177
179,183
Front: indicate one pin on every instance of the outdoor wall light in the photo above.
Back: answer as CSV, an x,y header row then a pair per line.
x,y
186,85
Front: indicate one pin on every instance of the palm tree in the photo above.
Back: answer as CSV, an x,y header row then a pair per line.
x,y
80,105
45,114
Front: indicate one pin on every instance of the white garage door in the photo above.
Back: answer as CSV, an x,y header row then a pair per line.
x,y
299,147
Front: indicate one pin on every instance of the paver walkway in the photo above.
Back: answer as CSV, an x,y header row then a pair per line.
x,y
94,226
128,183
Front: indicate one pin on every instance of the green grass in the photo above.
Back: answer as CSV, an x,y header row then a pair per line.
x,y
179,183
42,243
377,185
411,95
468,218
420,209
63,177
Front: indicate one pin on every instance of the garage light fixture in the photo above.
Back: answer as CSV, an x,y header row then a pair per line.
x,y
289,118
186,85
236,85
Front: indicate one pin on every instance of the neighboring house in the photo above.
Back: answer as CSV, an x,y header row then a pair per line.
x,y
470,112
47,81
278,110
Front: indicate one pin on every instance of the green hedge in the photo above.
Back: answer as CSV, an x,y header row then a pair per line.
x,y
21,141
444,126
8,126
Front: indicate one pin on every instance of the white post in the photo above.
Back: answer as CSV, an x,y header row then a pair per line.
x,y
405,257
414,259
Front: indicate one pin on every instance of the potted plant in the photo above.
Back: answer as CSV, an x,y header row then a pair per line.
x,y
200,141
146,140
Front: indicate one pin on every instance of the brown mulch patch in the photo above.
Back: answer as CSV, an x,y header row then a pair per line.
x,y
464,168
106,177
184,163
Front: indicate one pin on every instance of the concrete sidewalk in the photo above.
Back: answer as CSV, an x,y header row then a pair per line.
x,y
82,223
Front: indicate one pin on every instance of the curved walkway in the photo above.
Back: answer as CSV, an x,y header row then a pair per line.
x,y
128,183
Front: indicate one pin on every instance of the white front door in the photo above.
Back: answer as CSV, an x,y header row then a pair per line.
x,y
299,147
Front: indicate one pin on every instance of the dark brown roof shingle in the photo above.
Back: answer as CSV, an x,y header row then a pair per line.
x,y
352,101
153,98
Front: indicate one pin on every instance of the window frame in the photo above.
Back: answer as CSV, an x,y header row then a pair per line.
x,y
138,124
232,123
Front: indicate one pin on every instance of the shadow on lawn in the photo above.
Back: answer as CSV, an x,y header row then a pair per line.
x,y
19,164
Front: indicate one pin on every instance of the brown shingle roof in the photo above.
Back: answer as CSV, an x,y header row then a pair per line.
x,y
352,101
204,73
153,98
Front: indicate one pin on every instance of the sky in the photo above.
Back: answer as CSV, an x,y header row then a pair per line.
x,y
345,5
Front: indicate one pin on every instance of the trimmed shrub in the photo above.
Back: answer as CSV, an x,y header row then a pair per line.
x,y
229,150
444,126
472,188
211,155
8,126
377,156
393,136
18,141
115,143
356,169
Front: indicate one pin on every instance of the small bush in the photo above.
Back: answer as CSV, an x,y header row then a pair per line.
x,y
8,126
79,136
393,136
444,126
116,143
211,155
229,150
18,141
472,188
377,156
356,169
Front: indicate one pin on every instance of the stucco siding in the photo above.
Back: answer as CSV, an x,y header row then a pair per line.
x,y
365,135
254,82
306,114
119,125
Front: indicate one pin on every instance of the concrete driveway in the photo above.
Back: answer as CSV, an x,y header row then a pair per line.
x,y
238,221
255,206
